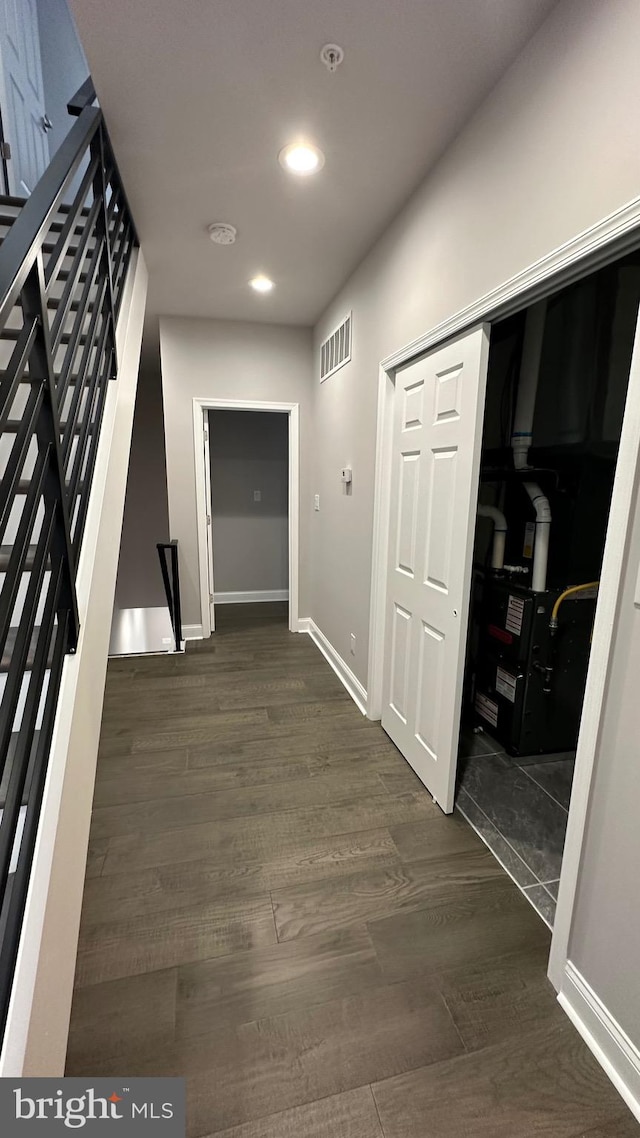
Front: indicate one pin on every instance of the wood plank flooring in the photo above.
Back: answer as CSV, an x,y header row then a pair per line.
x,y
275,909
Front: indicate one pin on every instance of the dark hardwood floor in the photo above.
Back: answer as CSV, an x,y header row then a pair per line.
x,y
275,909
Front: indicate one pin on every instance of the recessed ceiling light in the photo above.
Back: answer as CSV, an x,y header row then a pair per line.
x,y
261,284
301,158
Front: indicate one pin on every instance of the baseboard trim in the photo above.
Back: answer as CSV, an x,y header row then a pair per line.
x,y
247,598
342,670
192,631
611,1046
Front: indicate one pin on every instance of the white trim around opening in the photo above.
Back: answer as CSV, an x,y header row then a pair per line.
x,y
203,504
604,242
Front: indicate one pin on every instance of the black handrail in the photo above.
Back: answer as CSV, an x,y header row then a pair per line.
x,y
85,96
172,587
62,274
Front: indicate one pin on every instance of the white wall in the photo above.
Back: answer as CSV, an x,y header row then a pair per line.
x,y
146,519
249,451
224,360
552,151
604,944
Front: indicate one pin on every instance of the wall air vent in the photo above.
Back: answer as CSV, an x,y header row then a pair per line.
x,y
336,349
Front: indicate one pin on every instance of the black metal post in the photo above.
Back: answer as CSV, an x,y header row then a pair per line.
x,y
176,595
48,434
102,230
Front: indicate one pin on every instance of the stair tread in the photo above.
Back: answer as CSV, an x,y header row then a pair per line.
x,y
8,219
11,199
24,486
14,333
73,379
5,555
6,774
13,426
9,646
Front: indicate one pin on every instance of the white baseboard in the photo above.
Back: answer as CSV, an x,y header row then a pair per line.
x,y
341,669
611,1046
251,598
192,631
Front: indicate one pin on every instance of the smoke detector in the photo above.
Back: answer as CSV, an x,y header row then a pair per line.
x,y
332,56
222,234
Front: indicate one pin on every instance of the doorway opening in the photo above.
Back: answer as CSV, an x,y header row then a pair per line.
x,y
247,495
431,411
555,399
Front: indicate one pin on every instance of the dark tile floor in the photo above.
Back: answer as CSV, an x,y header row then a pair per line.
x,y
519,807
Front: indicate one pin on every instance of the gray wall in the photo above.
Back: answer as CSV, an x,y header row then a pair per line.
x,y
249,451
146,515
549,153
223,360
64,66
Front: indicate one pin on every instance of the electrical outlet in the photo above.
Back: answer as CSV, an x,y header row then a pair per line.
x,y
352,645
316,502
257,495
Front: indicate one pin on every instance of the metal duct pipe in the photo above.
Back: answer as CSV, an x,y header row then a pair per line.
x,y
499,533
522,435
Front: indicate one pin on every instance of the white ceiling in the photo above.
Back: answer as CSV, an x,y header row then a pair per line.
x,y
200,96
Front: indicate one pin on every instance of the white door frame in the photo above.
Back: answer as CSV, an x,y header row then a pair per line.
x,y
597,246
203,505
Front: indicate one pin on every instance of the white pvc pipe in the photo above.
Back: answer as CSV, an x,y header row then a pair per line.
x,y
522,433
499,533
543,526
522,436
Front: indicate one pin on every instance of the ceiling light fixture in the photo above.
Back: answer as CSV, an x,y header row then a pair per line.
x,y
261,284
301,158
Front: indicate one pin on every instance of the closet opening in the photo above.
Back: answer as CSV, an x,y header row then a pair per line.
x,y
556,388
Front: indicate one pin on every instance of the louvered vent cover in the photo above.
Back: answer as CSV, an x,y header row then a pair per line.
x,y
336,349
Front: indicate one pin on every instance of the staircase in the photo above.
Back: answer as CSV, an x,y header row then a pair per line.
x,y
64,255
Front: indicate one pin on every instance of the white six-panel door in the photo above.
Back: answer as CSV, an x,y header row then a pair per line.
x,y
437,441
22,94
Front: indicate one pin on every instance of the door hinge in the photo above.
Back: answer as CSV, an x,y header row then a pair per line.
x,y
206,435
210,598
208,519
5,151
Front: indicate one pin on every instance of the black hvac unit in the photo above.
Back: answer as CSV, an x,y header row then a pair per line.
x,y
528,686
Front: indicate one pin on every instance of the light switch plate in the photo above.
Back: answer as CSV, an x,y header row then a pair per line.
x,y
316,501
